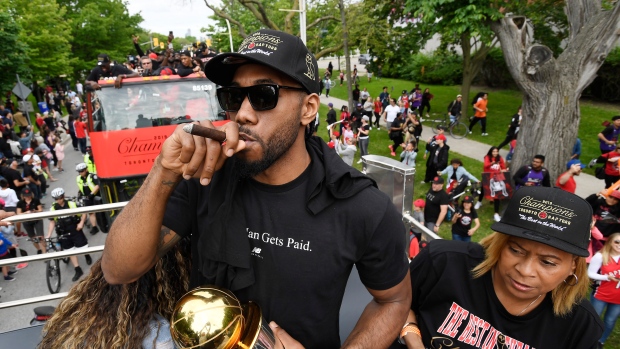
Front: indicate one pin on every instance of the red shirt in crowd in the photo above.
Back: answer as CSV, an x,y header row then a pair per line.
x,y
570,185
80,129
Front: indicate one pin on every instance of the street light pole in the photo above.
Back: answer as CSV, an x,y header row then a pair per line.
x,y
230,36
302,19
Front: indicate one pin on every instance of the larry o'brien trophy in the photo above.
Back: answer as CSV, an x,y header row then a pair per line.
x,y
209,317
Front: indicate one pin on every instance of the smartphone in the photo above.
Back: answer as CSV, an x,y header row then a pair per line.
x,y
170,33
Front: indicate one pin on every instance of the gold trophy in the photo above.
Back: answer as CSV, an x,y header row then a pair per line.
x,y
210,317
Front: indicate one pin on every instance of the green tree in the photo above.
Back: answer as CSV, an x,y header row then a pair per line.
x,y
99,26
45,31
14,57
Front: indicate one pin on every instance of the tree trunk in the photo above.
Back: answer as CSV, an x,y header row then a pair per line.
x,y
472,64
345,41
552,88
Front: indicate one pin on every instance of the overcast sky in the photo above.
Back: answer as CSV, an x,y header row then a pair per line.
x,y
177,15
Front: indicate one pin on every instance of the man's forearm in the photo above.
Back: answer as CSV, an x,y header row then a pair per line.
x,y
134,238
380,323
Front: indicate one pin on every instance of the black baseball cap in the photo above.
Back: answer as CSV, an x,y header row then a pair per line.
x,y
550,216
278,50
468,199
102,59
438,180
27,192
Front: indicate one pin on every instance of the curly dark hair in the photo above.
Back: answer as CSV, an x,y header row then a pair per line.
x,y
96,314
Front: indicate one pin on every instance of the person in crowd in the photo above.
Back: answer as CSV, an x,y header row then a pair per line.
x,y
30,173
331,114
268,164
347,132
431,142
364,95
345,117
121,316
368,107
608,138
427,97
384,96
341,76
390,113
363,137
524,277
79,89
606,212
566,180
418,214
8,195
328,85
612,169
576,153
436,208
408,155
89,160
403,101
377,110
25,138
356,117
347,150
5,245
533,175
493,164
20,120
458,177
416,100
71,126
59,149
187,66
455,108
480,114
69,230
106,69
356,93
147,67
438,158
604,269
88,187
80,128
30,204
396,133
463,219
513,129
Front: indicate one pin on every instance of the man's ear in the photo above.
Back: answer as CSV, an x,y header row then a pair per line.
x,y
310,108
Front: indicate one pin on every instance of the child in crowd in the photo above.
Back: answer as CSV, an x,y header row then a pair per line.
x,y
408,155
462,221
415,235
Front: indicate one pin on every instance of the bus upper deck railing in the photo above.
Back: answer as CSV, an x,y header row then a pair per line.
x,y
53,255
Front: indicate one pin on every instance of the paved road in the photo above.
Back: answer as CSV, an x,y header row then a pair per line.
x,y
30,282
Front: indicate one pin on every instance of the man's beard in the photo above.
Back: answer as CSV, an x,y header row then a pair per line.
x,y
273,149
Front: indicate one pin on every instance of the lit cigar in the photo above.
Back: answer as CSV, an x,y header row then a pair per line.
x,y
205,132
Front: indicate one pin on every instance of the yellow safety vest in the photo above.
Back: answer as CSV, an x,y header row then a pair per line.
x,y
90,164
71,205
89,182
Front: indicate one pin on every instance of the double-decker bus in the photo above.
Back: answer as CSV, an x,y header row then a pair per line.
x,y
128,126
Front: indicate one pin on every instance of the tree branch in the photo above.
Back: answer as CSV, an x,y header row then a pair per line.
x,y
328,50
579,12
260,13
319,20
288,20
225,15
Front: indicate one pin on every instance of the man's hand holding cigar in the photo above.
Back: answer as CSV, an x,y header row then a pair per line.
x,y
198,155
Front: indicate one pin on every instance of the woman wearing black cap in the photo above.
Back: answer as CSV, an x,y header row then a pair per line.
x,y
524,286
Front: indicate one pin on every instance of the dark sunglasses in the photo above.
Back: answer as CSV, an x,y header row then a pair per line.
x,y
262,97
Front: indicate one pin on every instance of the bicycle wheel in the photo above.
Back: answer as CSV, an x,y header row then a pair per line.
x,y
53,275
436,123
459,130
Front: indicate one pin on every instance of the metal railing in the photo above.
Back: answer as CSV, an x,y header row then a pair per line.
x,y
429,235
53,255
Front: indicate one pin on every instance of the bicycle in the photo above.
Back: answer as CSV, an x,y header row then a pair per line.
x,y
457,128
52,268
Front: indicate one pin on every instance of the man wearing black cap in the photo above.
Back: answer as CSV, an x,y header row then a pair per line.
x,y
187,66
106,69
437,201
274,214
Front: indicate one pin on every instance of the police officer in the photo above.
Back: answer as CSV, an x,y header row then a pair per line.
x,y
69,230
88,185
89,160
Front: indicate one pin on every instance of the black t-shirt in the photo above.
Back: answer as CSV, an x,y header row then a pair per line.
x,y
115,70
331,116
365,128
24,206
434,200
607,217
29,172
454,310
11,175
398,122
463,223
301,261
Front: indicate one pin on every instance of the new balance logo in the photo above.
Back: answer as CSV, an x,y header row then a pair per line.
x,y
256,250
